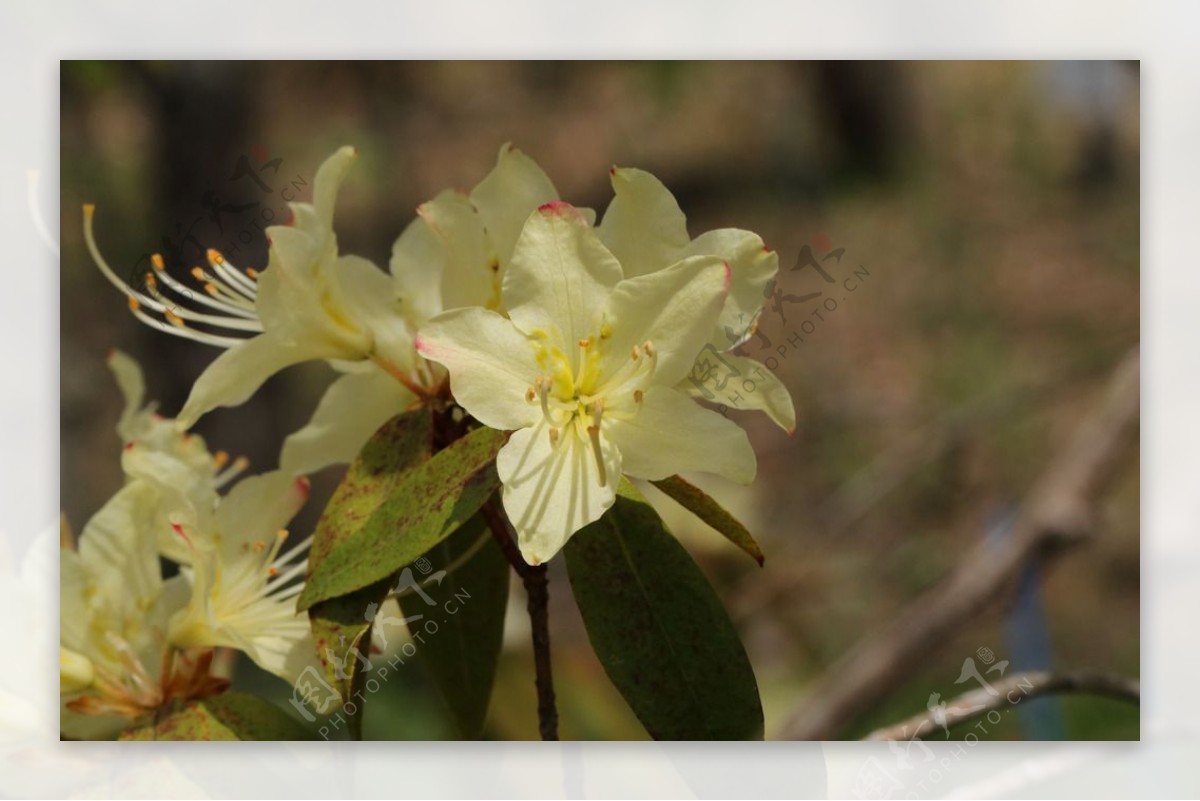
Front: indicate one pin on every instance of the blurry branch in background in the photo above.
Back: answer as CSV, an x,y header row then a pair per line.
x,y
1058,512
1008,692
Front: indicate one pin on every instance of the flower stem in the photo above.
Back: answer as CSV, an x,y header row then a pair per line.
x,y
398,374
537,589
537,592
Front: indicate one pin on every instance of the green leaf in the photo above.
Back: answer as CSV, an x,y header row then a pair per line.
x,y
431,502
701,504
379,470
458,622
658,628
232,716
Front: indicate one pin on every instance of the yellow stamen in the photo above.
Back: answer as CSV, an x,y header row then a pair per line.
x,y
156,259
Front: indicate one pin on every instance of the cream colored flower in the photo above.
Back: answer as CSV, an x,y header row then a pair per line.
x,y
114,658
452,255
243,585
646,230
309,303
585,371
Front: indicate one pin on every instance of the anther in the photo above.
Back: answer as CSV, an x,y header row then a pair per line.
x,y
133,303
214,257
220,458
530,395
156,259
638,395
636,353
173,318
251,272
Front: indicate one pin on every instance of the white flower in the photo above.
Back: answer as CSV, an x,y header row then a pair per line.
x,y
177,464
243,586
456,252
131,642
452,255
646,230
309,303
585,371
114,612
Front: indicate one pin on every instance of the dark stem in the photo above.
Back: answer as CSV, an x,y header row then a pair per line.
x,y
537,592
537,588
362,651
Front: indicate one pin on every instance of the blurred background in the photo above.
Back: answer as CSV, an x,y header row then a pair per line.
x,y
959,276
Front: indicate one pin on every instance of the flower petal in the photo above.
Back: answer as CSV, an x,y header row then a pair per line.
x,y
470,276
256,510
283,648
350,411
561,276
491,365
643,226
674,434
72,586
551,490
418,264
674,308
328,181
117,548
758,388
238,372
133,389
288,286
186,496
752,266
506,197
368,313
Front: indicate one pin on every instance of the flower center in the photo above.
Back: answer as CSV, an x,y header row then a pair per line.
x,y
575,394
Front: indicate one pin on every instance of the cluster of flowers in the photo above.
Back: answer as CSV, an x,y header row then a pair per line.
x,y
579,338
